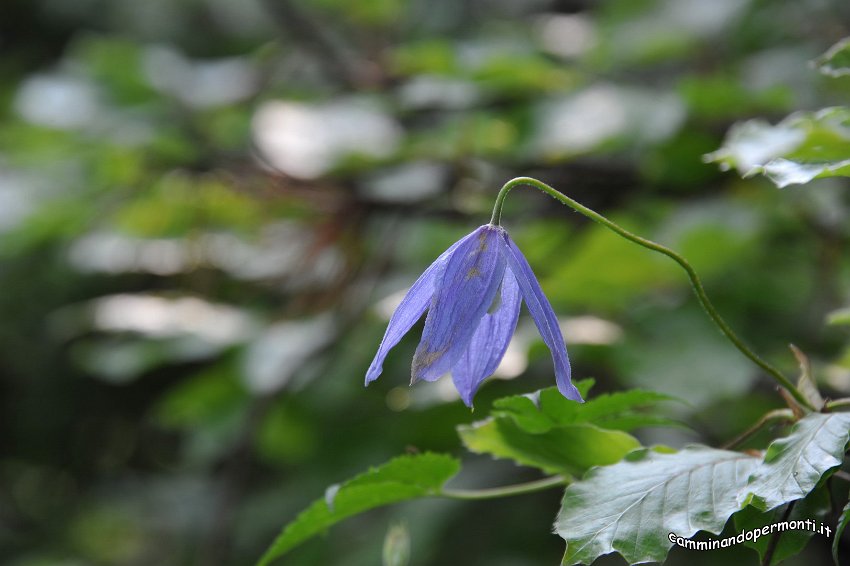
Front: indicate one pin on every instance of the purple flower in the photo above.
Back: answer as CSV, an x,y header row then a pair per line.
x,y
472,293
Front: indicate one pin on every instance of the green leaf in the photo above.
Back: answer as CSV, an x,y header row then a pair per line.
x,y
580,279
802,147
784,172
570,449
793,465
836,61
547,408
405,477
547,431
839,529
200,400
117,64
840,316
815,506
718,96
631,507
539,411
653,359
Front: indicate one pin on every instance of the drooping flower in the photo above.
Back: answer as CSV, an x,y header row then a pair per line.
x,y
472,293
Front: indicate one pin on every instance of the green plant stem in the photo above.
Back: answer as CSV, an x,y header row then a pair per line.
x,y
843,403
649,244
766,419
507,491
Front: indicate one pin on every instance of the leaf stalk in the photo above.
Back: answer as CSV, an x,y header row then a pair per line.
x,y
506,491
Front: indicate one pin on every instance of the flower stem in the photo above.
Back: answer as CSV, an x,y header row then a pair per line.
x,y
649,244
507,491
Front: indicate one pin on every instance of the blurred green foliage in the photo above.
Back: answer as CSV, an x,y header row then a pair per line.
x,y
207,207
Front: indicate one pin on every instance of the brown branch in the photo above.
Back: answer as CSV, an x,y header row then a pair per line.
x,y
773,543
340,64
234,479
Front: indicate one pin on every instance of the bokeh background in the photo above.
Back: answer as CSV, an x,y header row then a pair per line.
x,y
208,209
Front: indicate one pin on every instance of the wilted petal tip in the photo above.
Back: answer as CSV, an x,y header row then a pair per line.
x,y
542,314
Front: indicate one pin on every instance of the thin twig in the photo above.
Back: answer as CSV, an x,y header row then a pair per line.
x,y
217,548
774,538
300,24
767,418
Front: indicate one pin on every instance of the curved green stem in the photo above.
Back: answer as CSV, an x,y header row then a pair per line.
x,y
649,244
507,491
766,419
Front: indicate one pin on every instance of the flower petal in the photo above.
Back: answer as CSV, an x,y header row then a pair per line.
x,y
489,342
464,293
410,310
543,315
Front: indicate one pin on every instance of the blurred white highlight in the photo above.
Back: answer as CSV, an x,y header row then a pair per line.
x,y
282,350
57,101
280,251
159,317
567,35
604,112
306,141
590,330
202,84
